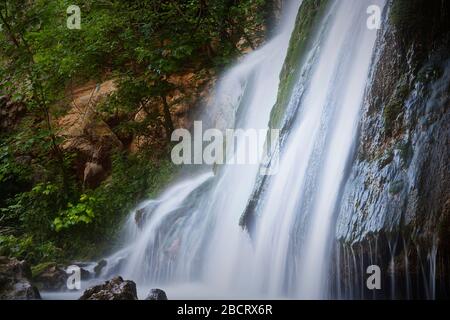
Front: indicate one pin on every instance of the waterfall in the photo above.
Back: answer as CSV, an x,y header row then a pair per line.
x,y
189,240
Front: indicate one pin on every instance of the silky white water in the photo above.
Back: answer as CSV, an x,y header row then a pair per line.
x,y
189,242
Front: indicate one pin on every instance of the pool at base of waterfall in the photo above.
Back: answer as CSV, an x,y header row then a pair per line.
x,y
186,291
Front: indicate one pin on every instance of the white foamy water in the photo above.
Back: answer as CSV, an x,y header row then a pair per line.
x,y
189,242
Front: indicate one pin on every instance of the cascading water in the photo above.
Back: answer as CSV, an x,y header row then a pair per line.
x,y
190,236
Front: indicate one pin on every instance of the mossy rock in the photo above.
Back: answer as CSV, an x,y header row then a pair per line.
x,y
386,159
395,106
391,113
309,14
396,187
406,151
41,267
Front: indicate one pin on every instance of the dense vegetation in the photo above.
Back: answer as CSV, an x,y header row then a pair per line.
x,y
46,211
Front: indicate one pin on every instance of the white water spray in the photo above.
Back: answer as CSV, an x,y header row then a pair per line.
x,y
191,236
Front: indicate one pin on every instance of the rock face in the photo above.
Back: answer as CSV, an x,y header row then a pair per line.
x,y
51,278
156,294
395,208
14,281
94,173
114,289
87,135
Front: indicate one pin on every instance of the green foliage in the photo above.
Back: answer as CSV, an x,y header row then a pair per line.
x,y
92,219
82,212
13,175
133,178
40,268
26,248
34,210
92,222
12,246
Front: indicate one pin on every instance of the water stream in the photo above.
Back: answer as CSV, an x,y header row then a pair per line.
x,y
189,241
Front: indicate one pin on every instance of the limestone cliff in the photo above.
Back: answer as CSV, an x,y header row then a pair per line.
x,y
395,210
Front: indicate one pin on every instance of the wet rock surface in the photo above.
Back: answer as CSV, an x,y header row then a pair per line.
x,y
52,277
15,282
114,289
156,294
99,267
395,206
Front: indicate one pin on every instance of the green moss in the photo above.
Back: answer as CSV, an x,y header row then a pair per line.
x,y
394,108
309,13
406,151
41,267
391,112
386,159
396,187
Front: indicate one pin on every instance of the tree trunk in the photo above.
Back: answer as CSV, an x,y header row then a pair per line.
x,y
168,123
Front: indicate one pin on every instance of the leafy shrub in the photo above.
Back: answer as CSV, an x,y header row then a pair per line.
x,y
26,248
82,212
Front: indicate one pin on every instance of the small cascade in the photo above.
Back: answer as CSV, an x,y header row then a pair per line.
x,y
407,271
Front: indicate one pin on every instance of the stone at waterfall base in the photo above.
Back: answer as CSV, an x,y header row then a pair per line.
x,y
156,294
99,267
14,281
51,278
114,289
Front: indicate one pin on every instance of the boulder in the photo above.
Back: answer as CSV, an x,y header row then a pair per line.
x,y
14,280
99,267
139,217
144,213
51,277
85,274
156,294
93,175
114,289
